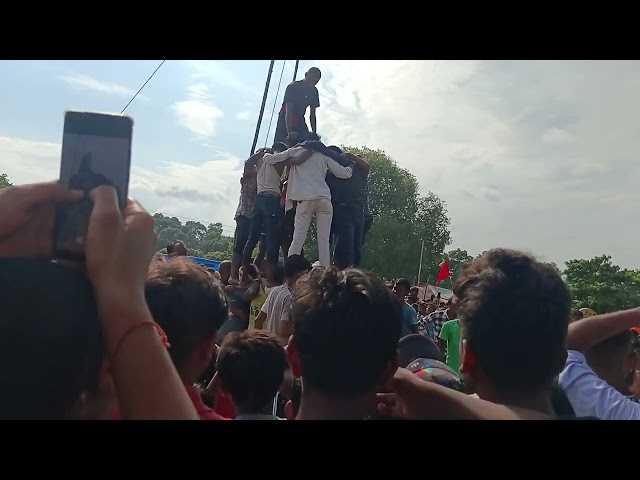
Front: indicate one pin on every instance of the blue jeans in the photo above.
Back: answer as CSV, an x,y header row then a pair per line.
x,y
347,229
268,212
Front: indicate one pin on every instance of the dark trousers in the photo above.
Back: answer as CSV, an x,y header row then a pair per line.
x,y
267,211
241,235
347,228
368,223
281,128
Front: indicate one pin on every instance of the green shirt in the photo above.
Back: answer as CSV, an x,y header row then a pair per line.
x,y
450,333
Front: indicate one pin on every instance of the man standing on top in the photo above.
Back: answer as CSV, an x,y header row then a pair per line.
x,y
298,96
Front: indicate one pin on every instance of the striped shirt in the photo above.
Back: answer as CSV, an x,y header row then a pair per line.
x,y
277,307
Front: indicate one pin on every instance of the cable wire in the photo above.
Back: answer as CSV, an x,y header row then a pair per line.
x,y
143,85
275,102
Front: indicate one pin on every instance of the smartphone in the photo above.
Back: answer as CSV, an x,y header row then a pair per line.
x,y
96,151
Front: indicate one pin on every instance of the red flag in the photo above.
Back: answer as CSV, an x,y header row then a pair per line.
x,y
444,272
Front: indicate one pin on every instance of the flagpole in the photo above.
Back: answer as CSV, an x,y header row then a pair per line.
x,y
420,267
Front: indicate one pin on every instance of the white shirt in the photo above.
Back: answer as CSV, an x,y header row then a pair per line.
x,y
590,396
307,181
277,307
267,178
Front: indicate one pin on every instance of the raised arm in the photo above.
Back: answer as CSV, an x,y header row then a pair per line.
x,y
361,163
338,170
591,331
274,158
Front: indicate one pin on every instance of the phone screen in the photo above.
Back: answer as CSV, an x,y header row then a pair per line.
x,y
96,151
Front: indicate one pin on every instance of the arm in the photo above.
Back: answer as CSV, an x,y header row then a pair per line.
x,y
312,119
253,291
443,338
429,401
591,331
312,110
412,321
285,329
274,158
260,319
300,159
362,164
338,170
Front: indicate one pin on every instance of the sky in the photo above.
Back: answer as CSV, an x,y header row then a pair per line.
x,y
534,155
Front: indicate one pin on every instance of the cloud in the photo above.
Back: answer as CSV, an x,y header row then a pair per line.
x,y
219,74
85,82
26,161
243,115
538,155
197,113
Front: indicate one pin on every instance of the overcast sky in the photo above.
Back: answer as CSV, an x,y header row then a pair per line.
x,y
539,155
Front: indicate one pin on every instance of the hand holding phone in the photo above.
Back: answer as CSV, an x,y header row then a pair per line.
x,y
96,151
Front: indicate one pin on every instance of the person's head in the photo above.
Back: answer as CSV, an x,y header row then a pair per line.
x,y
224,270
250,368
313,75
190,306
401,288
335,149
279,147
576,315
614,360
422,308
51,346
295,266
430,308
293,139
247,274
413,294
313,136
514,314
346,328
179,249
452,308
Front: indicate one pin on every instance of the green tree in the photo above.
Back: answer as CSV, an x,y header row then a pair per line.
x,y
601,285
457,258
4,181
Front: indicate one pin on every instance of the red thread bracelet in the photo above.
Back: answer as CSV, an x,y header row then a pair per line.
x,y
131,329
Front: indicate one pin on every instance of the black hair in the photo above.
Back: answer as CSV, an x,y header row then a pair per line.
x,y
335,149
51,345
279,147
403,282
251,366
346,327
187,302
293,138
514,312
295,264
315,71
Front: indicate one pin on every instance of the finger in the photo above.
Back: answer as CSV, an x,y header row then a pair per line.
x,y
38,193
105,216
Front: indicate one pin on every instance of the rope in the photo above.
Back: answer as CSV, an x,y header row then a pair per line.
x,y
275,102
143,85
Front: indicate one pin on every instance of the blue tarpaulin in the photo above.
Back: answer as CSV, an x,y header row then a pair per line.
x,y
215,264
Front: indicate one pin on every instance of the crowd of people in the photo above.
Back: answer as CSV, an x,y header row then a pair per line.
x,y
136,334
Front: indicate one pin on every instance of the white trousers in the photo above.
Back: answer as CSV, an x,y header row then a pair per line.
x,y
323,211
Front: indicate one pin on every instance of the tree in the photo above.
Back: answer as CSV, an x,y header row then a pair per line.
x,y
4,181
601,285
457,258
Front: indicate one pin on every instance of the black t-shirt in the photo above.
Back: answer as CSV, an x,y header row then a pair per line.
x,y
301,95
350,191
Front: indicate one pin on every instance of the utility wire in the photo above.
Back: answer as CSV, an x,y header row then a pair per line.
x,y
143,85
275,102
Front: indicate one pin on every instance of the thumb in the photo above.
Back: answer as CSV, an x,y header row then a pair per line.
x,y
38,193
105,216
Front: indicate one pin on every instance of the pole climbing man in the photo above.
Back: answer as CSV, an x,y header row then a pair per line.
x,y
298,96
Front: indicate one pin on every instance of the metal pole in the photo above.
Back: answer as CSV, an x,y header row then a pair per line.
x,y
420,267
264,102
295,70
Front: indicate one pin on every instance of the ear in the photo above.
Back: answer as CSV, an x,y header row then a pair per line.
x,y
204,353
293,357
468,361
288,411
